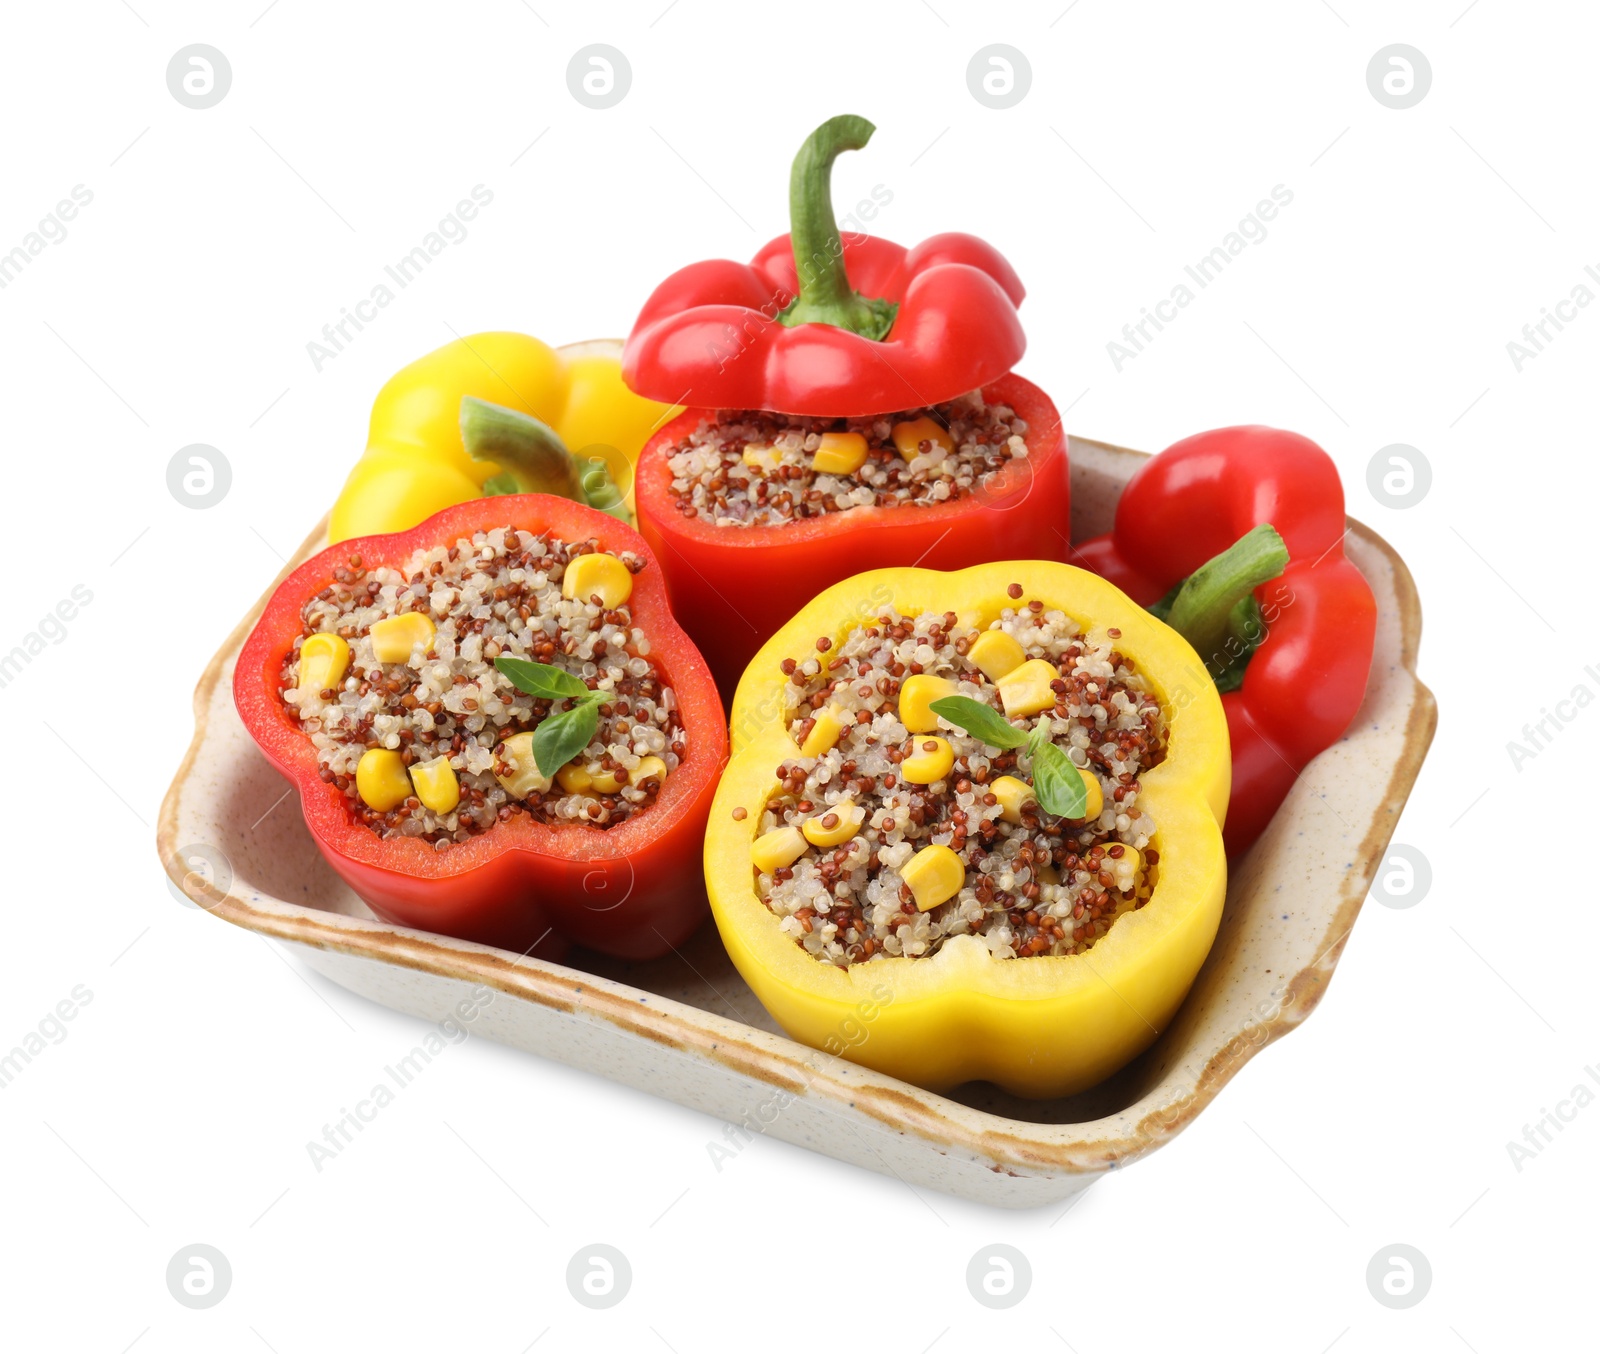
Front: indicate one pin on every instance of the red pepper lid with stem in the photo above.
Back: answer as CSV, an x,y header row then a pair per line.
x,y
831,326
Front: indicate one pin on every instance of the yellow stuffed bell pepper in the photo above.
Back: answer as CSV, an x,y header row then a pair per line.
x,y
1037,1023
416,463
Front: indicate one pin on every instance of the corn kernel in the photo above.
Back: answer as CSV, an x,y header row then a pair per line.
x,y
773,850
826,727
840,454
1026,690
910,435
763,458
578,779
847,818
934,875
324,658
602,576
575,779
649,768
926,763
917,694
1095,799
1012,794
394,637
995,654
436,784
525,778
381,779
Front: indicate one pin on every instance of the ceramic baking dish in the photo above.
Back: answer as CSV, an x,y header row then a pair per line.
x,y
686,1028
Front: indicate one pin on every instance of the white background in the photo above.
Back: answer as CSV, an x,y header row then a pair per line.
x,y
1377,310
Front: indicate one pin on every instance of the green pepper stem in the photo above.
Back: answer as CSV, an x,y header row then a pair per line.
x,y
1205,608
826,296
602,492
532,458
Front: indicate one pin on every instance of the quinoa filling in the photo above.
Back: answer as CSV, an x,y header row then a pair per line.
x,y
761,469
1027,882
447,713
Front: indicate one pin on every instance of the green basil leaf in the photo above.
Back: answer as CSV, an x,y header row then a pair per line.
x,y
542,680
1057,783
560,738
979,721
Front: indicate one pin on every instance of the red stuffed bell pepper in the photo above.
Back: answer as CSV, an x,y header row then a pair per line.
x,y
1293,662
497,730
851,408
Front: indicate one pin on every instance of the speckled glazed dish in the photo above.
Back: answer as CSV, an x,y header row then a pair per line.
x,y
686,1028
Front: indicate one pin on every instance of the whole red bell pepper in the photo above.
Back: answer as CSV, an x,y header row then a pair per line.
x,y
1306,663
817,324
826,327
632,890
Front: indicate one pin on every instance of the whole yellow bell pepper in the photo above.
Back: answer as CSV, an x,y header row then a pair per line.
x,y
416,465
1040,1026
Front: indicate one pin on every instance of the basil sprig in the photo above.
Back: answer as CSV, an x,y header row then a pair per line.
x,y
1057,784
980,721
560,736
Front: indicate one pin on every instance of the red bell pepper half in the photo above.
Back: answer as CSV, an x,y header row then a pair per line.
x,y
1306,651
734,587
820,325
632,890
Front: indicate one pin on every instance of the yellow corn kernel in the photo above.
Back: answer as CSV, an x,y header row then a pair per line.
x,y
602,576
760,457
773,850
649,768
1026,690
917,694
848,819
826,727
1095,799
436,785
840,454
1012,794
525,778
575,779
324,659
394,637
995,654
930,760
910,435
934,875
381,779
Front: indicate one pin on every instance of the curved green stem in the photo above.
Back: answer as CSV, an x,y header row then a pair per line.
x,y
532,459
1214,606
826,296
